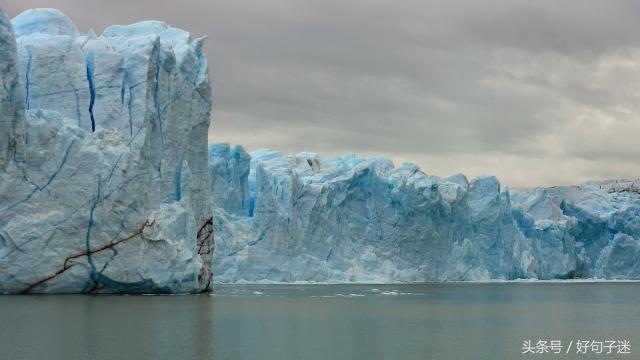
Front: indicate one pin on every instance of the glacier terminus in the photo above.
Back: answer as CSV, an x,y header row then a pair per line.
x,y
104,182
108,185
302,218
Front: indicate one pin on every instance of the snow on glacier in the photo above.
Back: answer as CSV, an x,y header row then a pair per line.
x,y
302,218
104,181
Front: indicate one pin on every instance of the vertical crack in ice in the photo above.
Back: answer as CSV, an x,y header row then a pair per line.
x,y
251,206
97,285
75,93
176,179
334,238
62,162
113,168
199,61
156,102
329,254
87,240
26,77
92,89
123,86
377,218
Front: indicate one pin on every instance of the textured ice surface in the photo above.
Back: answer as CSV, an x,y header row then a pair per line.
x,y
346,219
104,181
229,173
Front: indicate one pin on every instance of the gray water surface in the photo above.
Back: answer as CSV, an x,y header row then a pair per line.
x,y
425,321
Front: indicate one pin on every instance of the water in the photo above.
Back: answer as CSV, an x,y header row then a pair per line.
x,y
426,321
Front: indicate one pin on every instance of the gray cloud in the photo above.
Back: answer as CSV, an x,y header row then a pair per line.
x,y
536,92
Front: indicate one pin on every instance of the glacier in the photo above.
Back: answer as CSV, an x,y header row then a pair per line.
x,y
302,218
107,185
104,177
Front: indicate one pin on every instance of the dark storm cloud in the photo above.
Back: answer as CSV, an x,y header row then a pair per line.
x,y
536,92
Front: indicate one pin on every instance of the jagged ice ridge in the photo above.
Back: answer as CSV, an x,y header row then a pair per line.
x,y
302,218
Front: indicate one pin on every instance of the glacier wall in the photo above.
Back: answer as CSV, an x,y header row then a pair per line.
x,y
104,179
302,218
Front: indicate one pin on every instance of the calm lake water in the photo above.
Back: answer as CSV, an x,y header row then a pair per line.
x,y
426,321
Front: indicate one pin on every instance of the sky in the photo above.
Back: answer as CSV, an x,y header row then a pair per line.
x,y
541,92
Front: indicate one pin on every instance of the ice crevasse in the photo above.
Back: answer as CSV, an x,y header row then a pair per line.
x,y
104,182
303,218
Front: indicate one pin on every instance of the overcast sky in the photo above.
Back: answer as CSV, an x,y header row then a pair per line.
x,y
535,92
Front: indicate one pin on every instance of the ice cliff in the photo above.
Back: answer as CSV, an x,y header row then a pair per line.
x,y
106,185
344,219
104,181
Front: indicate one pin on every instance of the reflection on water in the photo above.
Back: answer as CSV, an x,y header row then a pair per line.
x,y
426,321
